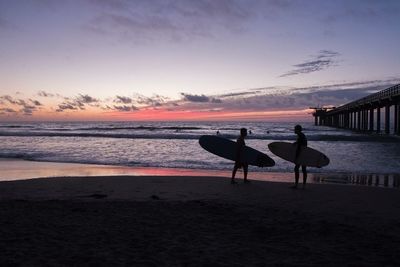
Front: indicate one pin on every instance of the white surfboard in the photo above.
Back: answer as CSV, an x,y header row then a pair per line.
x,y
226,148
308,156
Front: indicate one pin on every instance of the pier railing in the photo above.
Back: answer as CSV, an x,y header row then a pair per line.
x,y
373,99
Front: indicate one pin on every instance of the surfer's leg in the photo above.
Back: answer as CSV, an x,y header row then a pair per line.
x,y
234,173
304,170
245,169
296,174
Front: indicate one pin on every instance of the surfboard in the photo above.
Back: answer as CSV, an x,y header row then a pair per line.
x,y
226,148
308,156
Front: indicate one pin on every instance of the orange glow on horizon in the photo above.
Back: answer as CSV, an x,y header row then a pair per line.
x,y
161,114
167,115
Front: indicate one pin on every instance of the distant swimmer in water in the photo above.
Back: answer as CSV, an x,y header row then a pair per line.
x,y
217,132
239,162
300,143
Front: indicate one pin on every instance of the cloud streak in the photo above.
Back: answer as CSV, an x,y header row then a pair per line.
x,y
77,103
36,102
7,110
170,20
125,108
195,98
250,101
45,94
86,99
200,98
279,98
324,60
24,107
123,99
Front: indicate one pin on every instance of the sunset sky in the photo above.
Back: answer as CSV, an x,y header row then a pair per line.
x,y
192,60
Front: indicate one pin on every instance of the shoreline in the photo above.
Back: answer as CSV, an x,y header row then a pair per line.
x,y
20,169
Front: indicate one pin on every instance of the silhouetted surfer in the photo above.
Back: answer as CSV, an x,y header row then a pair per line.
x,y
300,142
239,162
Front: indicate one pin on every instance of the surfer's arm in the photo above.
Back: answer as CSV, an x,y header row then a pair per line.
x,y
298,149
239,150
298,146
237,154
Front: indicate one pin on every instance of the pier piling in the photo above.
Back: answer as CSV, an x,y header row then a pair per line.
x,y
387,119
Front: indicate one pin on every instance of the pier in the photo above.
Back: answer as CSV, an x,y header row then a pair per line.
x,y
378,112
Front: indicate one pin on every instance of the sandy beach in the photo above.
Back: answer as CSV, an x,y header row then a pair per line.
x,y
195,221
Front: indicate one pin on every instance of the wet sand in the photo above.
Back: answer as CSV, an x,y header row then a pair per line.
x,y
18,169
195,221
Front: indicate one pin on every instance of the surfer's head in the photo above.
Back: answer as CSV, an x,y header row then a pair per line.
x,y
298,128
243,132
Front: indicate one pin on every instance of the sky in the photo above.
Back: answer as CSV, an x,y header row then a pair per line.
x,y
192,59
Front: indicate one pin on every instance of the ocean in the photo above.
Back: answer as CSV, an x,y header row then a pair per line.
x,y
175,145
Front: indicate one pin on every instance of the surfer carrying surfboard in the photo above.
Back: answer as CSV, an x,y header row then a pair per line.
x,y
300,143
239,161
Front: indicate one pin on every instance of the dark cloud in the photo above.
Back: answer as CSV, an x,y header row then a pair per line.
x,y
86,99
26,108
200,98
258,99
154,101
264,99
123,99
76,103
216,100
7,110
323,60
372,86
36,102
195,98
45,94
21,102
66,106
239,94
327,54
173,20
9,99
125,108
